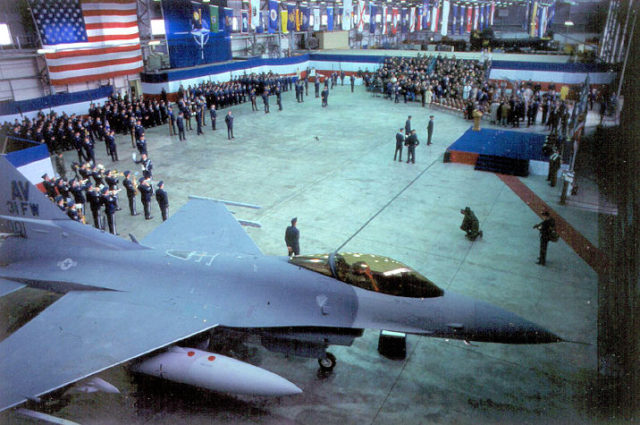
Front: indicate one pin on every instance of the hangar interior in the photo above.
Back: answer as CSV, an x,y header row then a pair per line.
x,y
332,168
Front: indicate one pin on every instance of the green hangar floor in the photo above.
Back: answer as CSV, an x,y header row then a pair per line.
x,y
333,169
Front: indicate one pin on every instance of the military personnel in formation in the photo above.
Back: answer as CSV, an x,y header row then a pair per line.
x,y
180,124
146,191
78,188
265,100
145,164
111,143
470,224
49,186
547,228
110,203
399,145
163,200
61,169
279,98
316,85
213,114
130,185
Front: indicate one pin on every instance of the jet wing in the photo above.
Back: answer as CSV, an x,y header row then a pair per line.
x,y
202,225
84,333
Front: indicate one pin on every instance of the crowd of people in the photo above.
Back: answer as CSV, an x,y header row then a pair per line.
x,y
87,186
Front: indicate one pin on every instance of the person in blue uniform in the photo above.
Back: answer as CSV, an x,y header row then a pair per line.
x,y
130,185
265,100
198,115
93,196
146,191
292,238
180,124
279,98
213,114
352,80
430,130
229,121
111,143
163,200
110,206
316,85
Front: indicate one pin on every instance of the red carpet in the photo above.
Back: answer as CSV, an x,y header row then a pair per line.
x,y
581,245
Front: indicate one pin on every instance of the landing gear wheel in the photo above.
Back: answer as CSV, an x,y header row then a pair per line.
x,y
327,363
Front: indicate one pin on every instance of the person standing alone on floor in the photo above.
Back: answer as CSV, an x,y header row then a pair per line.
x,y
430,130
547,228
292,237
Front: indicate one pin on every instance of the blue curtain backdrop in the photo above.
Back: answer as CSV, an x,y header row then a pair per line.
x,y
189,37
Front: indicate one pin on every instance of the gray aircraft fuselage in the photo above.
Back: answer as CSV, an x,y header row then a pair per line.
x,y
249,291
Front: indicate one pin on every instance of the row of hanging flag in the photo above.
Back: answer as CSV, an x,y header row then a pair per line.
x,y
443,16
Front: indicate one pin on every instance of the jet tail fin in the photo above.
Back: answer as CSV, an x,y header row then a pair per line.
x,y
33,221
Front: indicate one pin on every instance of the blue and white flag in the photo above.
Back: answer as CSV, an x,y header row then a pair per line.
x,y
306,13
273,16
373,10
329,18
245,21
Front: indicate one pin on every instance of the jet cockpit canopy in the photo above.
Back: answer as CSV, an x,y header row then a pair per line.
x,y
371,272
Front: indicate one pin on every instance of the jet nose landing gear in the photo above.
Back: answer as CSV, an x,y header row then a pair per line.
x,y
327,363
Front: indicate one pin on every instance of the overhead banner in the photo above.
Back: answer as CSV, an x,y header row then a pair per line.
x,y
445,18
316,18
469,18
215,18
419,18
273,16
329,18
291,16
435,14
189,34
284,21
372,17
347,11
245,21
384,20
412,19
395,19
306,13
404,20
493,10
254,16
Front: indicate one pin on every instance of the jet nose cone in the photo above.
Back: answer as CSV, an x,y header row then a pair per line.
x,y
498,325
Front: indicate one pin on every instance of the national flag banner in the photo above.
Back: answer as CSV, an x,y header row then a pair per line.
x,y
92,40
316,18
306,13
454,19
426,18
337,17
373,11
298,19
254,16
543,22
412,19
361,12
469,18
273,16
461,19
493,11
419,18
228,19
475,18
329,18
347,11
481,19
403,20
245,21
291,17
445,18
284,21
435,14
533,21
394,20
215,18
384,20
551,13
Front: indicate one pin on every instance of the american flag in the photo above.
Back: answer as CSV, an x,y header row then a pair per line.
x,y
90,39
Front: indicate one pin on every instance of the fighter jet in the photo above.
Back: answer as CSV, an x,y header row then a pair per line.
x,y
137,302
